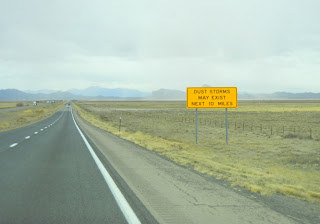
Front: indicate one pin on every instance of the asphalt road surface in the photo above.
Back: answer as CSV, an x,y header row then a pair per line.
x,y
48,175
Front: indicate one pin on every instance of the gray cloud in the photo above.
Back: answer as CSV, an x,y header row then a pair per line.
x,y
259,46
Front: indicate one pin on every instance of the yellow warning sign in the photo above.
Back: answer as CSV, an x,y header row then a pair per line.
x,y
212,97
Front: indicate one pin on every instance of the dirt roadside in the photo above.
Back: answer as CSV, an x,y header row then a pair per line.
x,y
174,194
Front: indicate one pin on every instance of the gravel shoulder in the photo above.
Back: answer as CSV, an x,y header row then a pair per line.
x,y
175,194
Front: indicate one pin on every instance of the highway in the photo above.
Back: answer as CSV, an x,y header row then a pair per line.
x,y
48,175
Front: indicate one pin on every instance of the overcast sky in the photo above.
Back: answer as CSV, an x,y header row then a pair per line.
x,y
259,46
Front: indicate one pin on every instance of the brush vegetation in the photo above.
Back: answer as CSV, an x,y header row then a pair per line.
x,y
13,119
270,150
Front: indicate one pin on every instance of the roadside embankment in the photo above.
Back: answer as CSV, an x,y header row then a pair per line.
x,y
174,194
19,118
265,164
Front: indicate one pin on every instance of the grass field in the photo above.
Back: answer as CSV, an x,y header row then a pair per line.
x,y
273,146
10,104
12,119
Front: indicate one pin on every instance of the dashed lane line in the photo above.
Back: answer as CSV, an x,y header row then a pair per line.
x,y
35,133
13,145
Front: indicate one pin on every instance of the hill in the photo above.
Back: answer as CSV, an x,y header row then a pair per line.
x,y
97,93
104,92
168,94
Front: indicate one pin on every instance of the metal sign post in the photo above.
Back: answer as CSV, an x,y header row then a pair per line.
x,y
227,125
196,126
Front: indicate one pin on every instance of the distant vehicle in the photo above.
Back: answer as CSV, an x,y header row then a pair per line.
x,y
34,103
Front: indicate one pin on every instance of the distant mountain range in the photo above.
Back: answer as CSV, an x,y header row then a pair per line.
x,y
92,93
280,96
17,95
98,93
45,91
168,94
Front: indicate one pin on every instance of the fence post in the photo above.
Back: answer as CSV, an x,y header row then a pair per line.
x,y
227,125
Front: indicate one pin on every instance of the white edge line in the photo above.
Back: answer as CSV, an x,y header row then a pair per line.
x,y
127,211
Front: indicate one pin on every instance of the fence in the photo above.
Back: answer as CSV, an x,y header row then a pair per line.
x,y
269,127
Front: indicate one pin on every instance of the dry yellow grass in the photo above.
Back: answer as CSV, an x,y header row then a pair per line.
x,y
262,163
7,104
13,119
